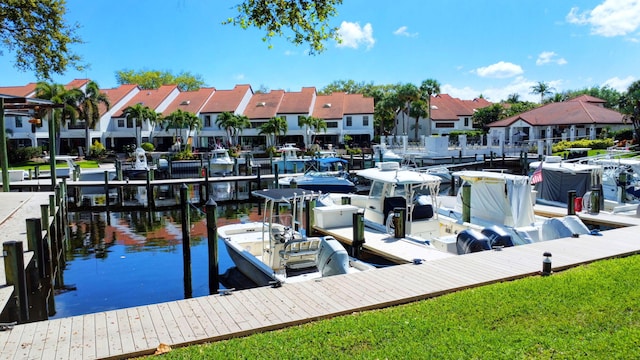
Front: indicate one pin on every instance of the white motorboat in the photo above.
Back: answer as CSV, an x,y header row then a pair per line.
x,y
276,250
220,163
501,210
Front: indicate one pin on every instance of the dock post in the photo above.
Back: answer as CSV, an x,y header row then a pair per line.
x,y
186,240
309,204
452,186
150,199
206,181
106,192
15,274
295,168
276,177
358,233
235,166
212,242
571,198
118,170
34,241
399,222
466,202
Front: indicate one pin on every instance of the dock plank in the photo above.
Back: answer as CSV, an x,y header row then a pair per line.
x,y
210,318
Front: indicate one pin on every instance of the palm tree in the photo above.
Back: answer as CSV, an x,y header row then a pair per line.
x,y
183,119
513,98
543,89
233,125
272,128
418,109
315,125
139,113
57,94
429,88
406,94
89,109
629,106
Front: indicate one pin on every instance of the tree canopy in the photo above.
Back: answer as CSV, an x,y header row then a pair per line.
x,y
35,31
153,79
304,21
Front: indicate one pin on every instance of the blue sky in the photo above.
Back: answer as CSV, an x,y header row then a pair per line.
x,y
472,47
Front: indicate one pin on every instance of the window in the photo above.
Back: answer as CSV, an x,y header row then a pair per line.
x,y
365,120
376,189
332,125
444,125
466,122
120,123
349,121
207,120
18,121
130,122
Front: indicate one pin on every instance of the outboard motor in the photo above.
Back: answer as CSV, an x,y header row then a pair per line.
x,y
470,241
498,237
333,259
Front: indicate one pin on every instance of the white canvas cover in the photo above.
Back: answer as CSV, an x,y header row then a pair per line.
x,y
499,198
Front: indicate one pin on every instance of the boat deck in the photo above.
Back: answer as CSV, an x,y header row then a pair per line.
x,y
139,330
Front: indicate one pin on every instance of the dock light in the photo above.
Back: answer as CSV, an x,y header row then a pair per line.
x,y
546,264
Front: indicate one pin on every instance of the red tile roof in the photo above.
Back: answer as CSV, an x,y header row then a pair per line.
x,y
264,105
564,113
190,101
445,107
226,100
588,99
330,106
21,91
116,95
297,102
77,84
150,98
358,104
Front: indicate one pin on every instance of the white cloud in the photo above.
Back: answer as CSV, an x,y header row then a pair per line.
x,y
402,30
621,85
352,35
500,70
547,57
611,18
289,53
239,76
520,85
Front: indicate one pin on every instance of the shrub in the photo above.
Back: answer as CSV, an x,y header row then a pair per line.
x,y
147,146
582,143
20,155
97,150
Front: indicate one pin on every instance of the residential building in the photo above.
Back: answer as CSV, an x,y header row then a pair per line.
x,y
344,114
581,117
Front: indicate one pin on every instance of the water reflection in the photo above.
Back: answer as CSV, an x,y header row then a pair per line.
x,y
135,258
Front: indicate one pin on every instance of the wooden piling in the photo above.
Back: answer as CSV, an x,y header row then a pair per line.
x,y
212,243
186,241
15,274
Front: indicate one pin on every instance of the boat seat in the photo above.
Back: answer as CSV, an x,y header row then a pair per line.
x,y
391,203
300,253
422,212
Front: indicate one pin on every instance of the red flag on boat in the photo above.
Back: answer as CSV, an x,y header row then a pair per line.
x,y
536,177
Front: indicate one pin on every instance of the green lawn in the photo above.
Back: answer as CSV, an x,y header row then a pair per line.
x,y
590,312
30,165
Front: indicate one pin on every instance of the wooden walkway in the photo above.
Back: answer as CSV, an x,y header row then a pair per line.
x,y
139,330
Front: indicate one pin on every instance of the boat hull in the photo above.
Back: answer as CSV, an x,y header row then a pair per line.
x,y
251,267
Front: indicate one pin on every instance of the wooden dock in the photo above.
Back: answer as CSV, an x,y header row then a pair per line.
x,y
139,330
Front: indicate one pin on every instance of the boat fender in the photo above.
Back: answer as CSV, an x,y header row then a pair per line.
x,y
470,241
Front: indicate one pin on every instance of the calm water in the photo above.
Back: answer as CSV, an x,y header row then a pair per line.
x,y
136,259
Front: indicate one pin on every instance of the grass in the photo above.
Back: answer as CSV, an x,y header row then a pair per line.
x,y
587,312
30,165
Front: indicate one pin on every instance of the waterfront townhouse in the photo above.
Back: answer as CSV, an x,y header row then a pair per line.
x,y
581,117
163,135
232,101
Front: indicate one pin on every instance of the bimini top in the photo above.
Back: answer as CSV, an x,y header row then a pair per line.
x,y
284,195
399,176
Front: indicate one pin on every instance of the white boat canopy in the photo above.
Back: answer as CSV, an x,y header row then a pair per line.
x,y
499,198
